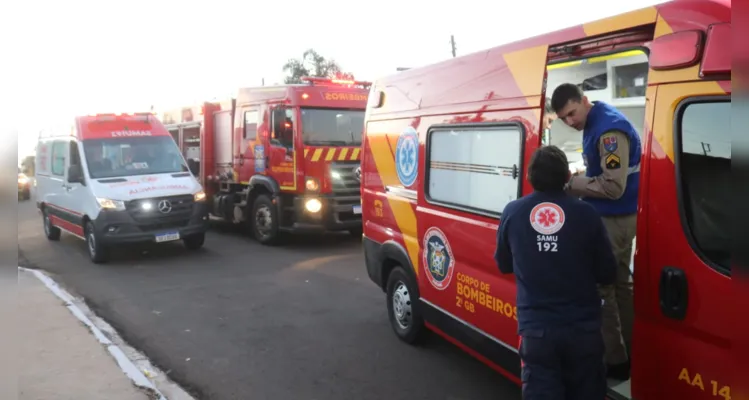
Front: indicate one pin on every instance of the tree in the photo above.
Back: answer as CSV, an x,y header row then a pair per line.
x,y
313,64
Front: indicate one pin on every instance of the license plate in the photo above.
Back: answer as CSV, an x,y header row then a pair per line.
x,y
357,209
167,237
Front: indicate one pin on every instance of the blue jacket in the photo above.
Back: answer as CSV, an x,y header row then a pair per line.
x,y
604,118
558,249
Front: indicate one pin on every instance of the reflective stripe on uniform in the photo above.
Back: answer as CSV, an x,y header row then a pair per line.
x,y
632,170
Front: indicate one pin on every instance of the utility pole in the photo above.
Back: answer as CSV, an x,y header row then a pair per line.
x,y
452,44
263,82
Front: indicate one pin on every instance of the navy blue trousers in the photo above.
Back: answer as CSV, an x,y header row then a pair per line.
x,y
564,363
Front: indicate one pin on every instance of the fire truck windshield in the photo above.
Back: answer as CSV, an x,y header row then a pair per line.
x,y
330,127
118,157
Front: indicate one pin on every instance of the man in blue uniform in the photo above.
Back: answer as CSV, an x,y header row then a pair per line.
x,y
558,249
611,151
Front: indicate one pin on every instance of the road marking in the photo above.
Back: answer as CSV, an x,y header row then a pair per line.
x,y
125,364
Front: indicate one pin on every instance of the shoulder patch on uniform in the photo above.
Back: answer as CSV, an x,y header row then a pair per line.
x,y
609,143
613,161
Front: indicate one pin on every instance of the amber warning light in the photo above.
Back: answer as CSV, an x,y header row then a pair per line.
x,y
336,82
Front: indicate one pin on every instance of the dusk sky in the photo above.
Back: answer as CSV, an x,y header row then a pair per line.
x,y
84,56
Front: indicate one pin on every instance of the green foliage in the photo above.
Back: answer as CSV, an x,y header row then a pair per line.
x,y
312,64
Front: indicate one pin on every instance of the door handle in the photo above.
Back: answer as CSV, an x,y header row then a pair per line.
x,y
673,292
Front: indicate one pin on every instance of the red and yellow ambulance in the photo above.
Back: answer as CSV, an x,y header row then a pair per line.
x,y
446,148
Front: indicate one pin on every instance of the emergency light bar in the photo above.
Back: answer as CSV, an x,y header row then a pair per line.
x,y
312,80
138,116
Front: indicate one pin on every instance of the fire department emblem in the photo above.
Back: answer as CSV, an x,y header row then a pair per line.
x,y
547,218
357,173
438,260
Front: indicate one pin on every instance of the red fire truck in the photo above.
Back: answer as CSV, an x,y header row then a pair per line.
x,y
446,148
280,158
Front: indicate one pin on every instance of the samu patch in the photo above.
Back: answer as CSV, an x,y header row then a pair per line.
x,y
613,161
610,144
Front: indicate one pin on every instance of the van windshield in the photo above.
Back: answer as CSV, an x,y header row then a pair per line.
x,y
119,157
328,127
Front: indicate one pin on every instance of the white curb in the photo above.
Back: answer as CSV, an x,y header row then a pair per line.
x,y
123,361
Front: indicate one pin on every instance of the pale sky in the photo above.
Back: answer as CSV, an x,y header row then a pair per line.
x,y
62,58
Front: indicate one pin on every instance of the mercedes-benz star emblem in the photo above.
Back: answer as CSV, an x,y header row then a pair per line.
x,y
165,206
357,173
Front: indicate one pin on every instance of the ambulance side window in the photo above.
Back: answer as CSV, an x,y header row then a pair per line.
x,y
474,168
703,160
59,153
250,124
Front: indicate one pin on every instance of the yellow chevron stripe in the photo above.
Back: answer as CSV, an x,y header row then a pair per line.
x,y
404,214
355,154
305,152
527,68
330,155
622,21
343,154
316,155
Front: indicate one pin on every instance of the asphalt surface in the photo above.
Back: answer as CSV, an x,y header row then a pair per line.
x,y
238,320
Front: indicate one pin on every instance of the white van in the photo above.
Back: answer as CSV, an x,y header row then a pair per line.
x,y
118,179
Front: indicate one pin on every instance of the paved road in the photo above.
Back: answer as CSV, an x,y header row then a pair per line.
x,y
241,321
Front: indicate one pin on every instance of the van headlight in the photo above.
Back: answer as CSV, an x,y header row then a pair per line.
x,y
313,205
110,204
199,196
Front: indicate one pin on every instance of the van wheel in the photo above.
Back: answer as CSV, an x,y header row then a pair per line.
x,y
405,318
264,220
194,242
52,232
96,251
356,232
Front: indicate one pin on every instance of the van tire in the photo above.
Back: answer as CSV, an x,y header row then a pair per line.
x,y
97,252
194,242
356,232
264,220
403,311
50,231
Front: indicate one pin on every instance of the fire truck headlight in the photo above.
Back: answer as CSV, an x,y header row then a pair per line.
x,y
311,184
313,205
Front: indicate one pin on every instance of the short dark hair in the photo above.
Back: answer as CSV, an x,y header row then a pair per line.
x,y
563,94
548,169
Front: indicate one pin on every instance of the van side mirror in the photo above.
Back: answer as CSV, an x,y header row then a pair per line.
x,y
75,175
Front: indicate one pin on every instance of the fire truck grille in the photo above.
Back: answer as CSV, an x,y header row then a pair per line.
x,y
173,212
344,180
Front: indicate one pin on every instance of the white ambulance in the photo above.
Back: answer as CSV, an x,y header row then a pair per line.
x,y
115,179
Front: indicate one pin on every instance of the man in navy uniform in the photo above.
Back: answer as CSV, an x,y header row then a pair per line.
x,y
611,151
558,249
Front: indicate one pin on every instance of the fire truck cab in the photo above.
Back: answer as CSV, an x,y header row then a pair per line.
x,y
284,158
446,147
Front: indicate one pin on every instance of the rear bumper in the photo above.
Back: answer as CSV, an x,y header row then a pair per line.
x,y
337,214
119,227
